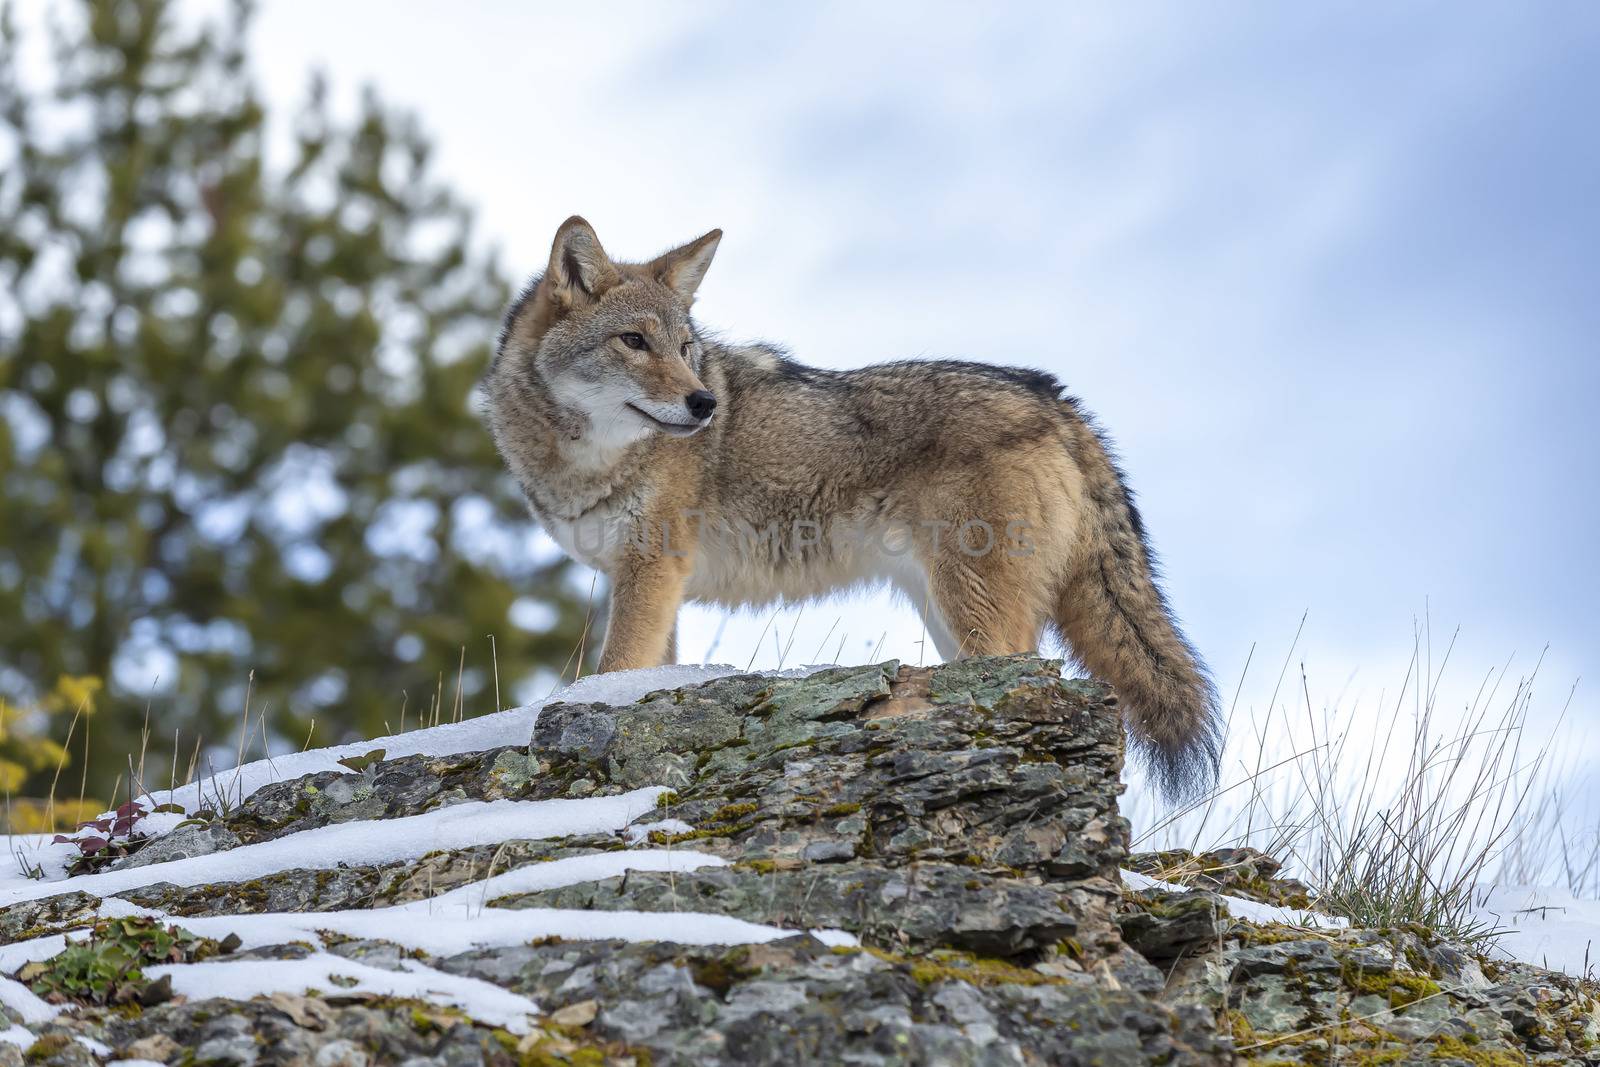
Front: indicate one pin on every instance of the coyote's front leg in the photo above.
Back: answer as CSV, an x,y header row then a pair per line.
x,y
646,590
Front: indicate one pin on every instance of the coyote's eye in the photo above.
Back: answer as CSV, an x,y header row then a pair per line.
x,y
635,341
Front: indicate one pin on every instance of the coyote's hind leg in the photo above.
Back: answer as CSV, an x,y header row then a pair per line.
x,y
984,605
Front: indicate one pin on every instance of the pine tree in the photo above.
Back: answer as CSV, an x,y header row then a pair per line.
x,y
236,422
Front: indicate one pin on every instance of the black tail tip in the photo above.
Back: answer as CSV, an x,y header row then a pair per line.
x,y
1187,772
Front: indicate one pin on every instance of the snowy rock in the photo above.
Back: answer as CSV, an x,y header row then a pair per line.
x,y
865,865
182,843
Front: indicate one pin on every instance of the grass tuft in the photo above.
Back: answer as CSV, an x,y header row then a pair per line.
x,y
1396,814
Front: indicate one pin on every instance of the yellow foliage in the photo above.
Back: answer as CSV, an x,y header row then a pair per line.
x,y
39,753
12,775
74,693
26,747
32,815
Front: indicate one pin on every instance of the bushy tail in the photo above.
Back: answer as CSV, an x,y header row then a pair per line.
x,y
1114,616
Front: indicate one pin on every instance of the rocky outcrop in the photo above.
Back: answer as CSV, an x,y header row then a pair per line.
x,y
937,848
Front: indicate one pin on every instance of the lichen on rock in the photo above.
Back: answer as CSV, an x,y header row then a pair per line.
x,y
934,853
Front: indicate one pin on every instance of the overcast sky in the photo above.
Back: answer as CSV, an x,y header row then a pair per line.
x,y
1328,277
1329,281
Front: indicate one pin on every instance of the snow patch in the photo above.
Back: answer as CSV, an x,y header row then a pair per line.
x,y
16,954
335,975
18,1036
366,843
99,1048
445,935
1240,908
22,1000
1538,925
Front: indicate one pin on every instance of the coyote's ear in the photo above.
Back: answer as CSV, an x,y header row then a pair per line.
x,y
580,270
682,269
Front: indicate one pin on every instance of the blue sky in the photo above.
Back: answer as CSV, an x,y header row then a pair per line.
x,y
1328,277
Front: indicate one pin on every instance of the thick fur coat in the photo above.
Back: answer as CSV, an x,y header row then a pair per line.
x,y
684,468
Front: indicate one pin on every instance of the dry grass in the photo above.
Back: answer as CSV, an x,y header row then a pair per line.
x,y
1396,813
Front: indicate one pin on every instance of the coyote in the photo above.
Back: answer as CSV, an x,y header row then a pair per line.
x,y
687,468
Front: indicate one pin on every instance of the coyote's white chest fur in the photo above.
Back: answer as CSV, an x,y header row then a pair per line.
x,y
598,534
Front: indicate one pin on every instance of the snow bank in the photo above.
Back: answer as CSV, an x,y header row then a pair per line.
x,y
461,919
17,953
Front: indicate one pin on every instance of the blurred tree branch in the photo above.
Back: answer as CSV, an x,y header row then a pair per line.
x,y
236,428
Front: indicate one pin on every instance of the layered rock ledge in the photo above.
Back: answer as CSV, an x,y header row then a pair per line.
x,y
923,862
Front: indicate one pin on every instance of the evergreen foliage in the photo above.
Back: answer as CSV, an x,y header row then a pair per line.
x,y
237,434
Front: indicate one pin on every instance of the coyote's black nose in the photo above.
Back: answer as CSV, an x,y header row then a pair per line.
x,y
702,402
